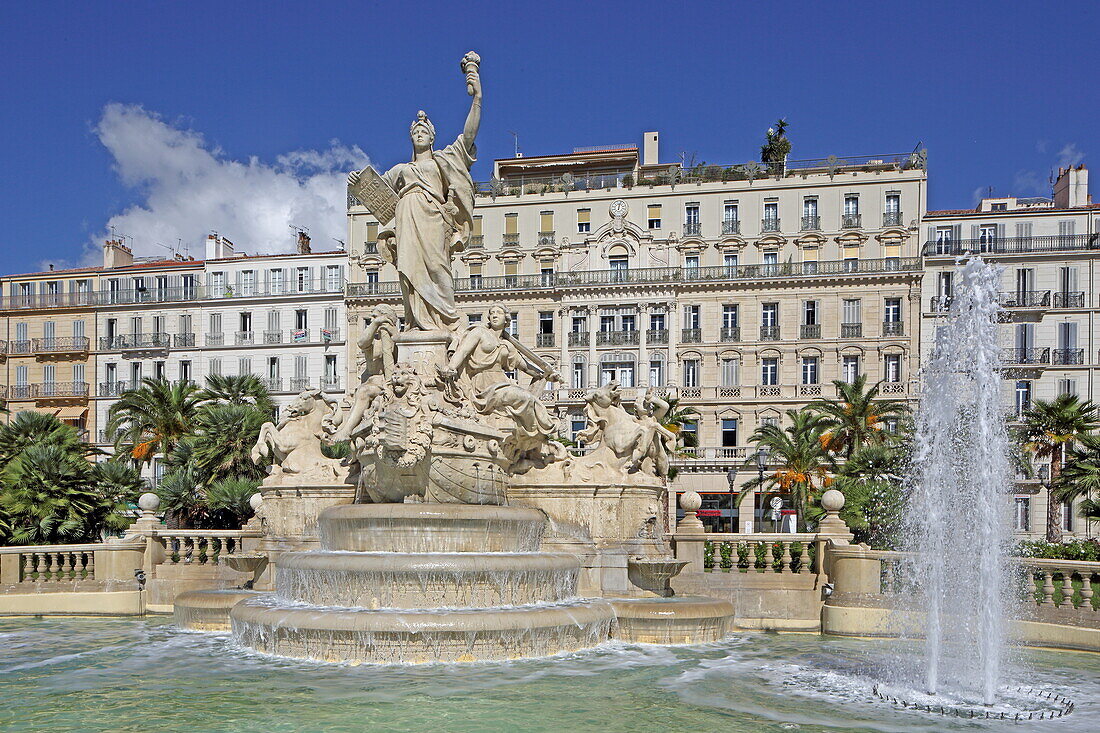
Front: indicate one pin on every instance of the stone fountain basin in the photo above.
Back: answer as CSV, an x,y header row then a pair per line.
x,y
426,580
653,573
360,635
431,528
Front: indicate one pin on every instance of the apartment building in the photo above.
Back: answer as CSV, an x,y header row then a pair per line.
x,y
1047,250
743,291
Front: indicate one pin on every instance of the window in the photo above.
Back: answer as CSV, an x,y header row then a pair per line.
x,y
135,373
577,424
301,319
1067,516
730,316
691,262
215,366
546,275
731,376
853,311
511,274
654,216
159,370
248,282
892,367
301,281
851,205
273,368
622,372
546,222
188,282
513,325
1067,282
474,319
769,371
579,381
330,368
580,324
729,432
809,370
628,322
607,323
771,263
584,221
729,260
245,323
332,279
511,228
809,211
892,310
769,315
1002,206
729,217
893,203
183,324
111,373
217,284
809,313
849,369
691,372
301,366
1023,396
944,286
475,276
657,321
1067,339
185,370
21,375
1021,514
1067,387
689,433
944,236
987,237
691,316
619,267
771,211
78,372
656,372
546,322
691,219
49,373
372,277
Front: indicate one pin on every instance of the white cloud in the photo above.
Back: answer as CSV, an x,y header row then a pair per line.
x,y
1029,183
1070,155
191,188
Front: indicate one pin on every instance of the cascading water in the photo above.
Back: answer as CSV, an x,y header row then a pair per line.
x,y
958,522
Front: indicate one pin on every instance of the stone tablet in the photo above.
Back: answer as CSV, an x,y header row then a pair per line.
x,y
375,194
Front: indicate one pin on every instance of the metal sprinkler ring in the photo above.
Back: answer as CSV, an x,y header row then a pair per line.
x,y
1062,706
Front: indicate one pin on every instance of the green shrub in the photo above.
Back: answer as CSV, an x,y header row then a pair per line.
x,y
726,551
708,555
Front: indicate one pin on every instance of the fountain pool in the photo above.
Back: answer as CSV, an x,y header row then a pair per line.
x,y
138,675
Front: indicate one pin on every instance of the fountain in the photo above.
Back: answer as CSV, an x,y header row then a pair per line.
x,y
957,521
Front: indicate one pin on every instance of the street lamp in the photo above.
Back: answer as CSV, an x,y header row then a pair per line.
x,y
760,460
731,476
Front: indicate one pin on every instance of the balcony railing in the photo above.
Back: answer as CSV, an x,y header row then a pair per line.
x,y
811,223
940,303
184,340
370,248
244,338
851,330
364,290
656,336
731,226
851,221
731,333
892,219
298,384
215,339
1069,300
1013,245
113,389
893,328
1069,357
273,337
477,241
810,331
1027,356
691,335
330,384
272,384
1026,299
769,333
544,340
809,390
3,347
135,342
53,390
692,228
578,338
769,224
617,338
511,239
21,392
22,346
61,345
546,239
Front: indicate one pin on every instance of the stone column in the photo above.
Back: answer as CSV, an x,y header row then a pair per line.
x,y
591,313
690,534
672,319
643,347
565,365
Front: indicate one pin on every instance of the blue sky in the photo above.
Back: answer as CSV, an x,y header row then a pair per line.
x,y
173,119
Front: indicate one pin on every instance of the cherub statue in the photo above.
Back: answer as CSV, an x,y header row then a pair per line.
x,y
376,345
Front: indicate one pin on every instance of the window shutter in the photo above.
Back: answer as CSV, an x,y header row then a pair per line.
x,y
931,234
546,221
584,216
810,254
893,250
957,232
975,231
1000,232
511,224
477,230
851,252
654,211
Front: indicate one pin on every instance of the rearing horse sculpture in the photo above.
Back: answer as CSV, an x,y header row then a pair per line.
x,y
294,445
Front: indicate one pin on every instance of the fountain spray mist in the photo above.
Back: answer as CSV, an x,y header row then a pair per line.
x,y
957,519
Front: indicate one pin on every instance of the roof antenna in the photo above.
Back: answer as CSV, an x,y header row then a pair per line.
x,y
515,139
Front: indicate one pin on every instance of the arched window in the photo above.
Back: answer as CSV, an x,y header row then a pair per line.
x,y
578,380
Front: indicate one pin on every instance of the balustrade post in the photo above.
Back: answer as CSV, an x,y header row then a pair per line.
x,y
804,558
785,560
1086,590
769,557
1067,587
40,565
1048,588
690,537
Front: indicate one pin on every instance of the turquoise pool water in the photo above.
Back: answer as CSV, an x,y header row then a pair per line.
x,y
144,675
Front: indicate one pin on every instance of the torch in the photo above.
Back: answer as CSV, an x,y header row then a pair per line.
x,y
470,64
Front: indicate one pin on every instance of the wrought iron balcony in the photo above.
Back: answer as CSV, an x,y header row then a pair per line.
x,y
184,340
21,392
731,226
731,333
544,340
273,337
851,330
810,331
617,338
370,248
1026,299
329,335
811,223
511,239
330,384
61,345
851,221
23,346
477,241
656,336
1012,245
362,290
1069,300
1027,356
60,390
113,389
578,338
215,339
692,228
272,384
769,333
940,303
298,384
135,342
892,219
893,328
244,338
1069,357
692,335
768,224
546,239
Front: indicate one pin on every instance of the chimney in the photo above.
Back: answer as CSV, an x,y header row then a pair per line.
x,y
1072,187
218,247
649,149
303,243
116,254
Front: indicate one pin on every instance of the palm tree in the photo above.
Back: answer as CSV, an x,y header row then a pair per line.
x,y
243,389
50,496
38,428
803,462
152,418
119,479
1080,476
677,416
221,444
180,499
1048,429
228,501
871,481
856,416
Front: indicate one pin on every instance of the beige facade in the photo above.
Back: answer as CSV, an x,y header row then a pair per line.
x,y
743,291
1047,248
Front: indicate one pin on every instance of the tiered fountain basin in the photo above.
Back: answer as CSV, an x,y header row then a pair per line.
x,y
676,620
416,583
207,610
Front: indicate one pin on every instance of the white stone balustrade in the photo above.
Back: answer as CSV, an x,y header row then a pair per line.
x,y
60,566
201,546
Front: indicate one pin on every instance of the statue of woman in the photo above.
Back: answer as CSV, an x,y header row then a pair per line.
x,y
433,216
479,361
